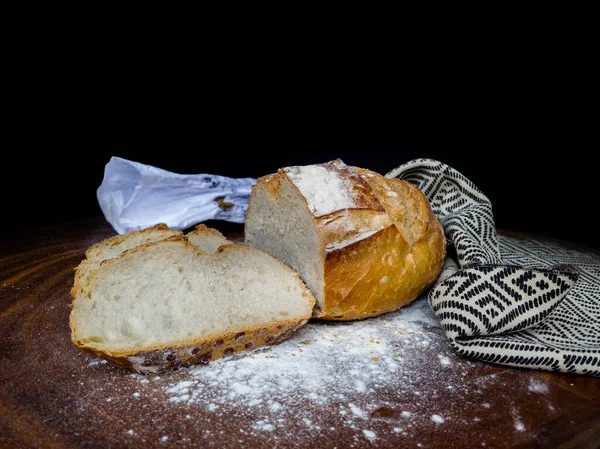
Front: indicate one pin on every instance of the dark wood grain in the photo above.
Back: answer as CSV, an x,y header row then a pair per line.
x,y
52,397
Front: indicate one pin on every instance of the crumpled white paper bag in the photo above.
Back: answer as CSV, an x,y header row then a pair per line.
x,y
135,196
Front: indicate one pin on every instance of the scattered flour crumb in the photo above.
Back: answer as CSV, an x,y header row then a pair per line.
x,y
356,411
369,434
437,418
275,406
444,360
264,425
130,432
136,395
485,405
398,429
360,386
241,389
405,414
165,438
537,387
518,423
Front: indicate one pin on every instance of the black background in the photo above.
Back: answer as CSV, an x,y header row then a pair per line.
x,y
550,193
517,122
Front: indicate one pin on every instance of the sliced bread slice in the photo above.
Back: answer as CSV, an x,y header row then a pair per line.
x,y
167,304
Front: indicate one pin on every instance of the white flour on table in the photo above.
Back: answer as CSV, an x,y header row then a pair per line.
x,y
356,371
322,365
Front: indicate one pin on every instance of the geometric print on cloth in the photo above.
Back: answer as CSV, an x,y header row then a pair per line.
x,y
517,302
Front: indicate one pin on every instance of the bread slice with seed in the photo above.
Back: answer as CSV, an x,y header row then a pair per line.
x,y
166,304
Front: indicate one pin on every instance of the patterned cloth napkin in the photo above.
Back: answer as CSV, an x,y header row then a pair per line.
x,y
518,302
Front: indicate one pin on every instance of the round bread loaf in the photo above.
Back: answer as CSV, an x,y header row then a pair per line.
x,y
363,244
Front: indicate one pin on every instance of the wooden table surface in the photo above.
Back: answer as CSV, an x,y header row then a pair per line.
x,y
53,396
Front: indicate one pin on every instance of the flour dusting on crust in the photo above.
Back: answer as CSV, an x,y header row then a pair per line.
x,y
324,189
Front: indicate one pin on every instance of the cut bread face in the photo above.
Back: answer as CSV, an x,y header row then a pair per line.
x,y
164,304
280,222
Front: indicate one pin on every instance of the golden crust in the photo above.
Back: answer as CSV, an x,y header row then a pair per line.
x,y
378,274
200,351
391,267
349,224
405,204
